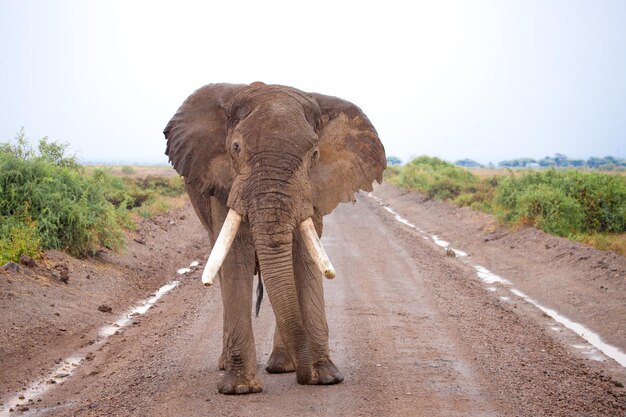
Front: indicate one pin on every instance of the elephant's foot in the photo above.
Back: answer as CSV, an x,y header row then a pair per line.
x,y
279,362
325,372
236,383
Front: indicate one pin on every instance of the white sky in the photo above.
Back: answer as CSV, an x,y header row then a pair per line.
x,y
487,80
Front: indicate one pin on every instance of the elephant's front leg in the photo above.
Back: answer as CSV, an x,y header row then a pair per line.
x,y
313,311
239,354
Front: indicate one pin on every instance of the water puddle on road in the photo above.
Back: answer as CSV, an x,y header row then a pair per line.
x,y
596,347
141,308
446,245
489,277
59,374
183,271
590,351
440,242
593,338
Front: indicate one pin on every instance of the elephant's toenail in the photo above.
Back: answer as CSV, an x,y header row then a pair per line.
x,y
327,379
242,389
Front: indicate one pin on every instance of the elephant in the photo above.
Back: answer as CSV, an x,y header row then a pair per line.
x,y
262,164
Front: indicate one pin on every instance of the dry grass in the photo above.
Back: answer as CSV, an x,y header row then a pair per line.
x,y
157,200
615,242
491,172
160,205
135,171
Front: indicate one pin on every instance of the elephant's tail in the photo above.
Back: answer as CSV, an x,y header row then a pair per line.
x,y
259,288
259,295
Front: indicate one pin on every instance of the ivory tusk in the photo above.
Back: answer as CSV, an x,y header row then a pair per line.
x,y
221,247
313,244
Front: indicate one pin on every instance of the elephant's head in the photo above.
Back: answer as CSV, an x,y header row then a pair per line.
x,y
277,157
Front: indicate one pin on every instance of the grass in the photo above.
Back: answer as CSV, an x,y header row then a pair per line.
x,y
49,201
581,205
135,171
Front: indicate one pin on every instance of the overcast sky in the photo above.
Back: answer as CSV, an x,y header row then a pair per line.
x,y
487,80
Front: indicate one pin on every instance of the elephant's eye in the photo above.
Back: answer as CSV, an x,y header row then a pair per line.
x,y
236,147
315,155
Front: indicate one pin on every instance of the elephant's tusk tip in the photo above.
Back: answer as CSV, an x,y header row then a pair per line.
x,y
208,284
315,248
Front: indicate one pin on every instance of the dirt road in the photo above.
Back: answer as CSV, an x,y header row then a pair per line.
x,y
415,333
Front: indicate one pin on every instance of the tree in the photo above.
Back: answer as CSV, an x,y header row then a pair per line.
x,y
594,162
546,162
517,163
526,161
468,163
577,163
394,160
560,160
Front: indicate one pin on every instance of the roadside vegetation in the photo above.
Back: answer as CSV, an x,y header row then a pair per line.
x,y
49,201
584,206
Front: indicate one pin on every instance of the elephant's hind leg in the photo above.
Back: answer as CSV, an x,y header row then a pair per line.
x,y
279,362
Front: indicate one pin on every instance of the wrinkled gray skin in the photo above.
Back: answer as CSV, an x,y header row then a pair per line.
x,y
277,156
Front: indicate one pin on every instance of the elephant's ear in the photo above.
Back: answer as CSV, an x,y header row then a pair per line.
x,y
196,140
351,154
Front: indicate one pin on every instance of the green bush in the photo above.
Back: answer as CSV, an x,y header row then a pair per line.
x,y
549,209
436,178
48,201
593,202
587,206
18,236
69,210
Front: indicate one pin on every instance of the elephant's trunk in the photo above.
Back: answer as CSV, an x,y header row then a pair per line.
x,y
274,251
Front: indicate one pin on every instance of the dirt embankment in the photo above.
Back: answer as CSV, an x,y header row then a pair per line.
x,y
43,318
415,332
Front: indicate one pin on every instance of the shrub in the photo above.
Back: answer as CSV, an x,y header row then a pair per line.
x,y
549,209
586,206
436,178
69,210
126,170
391,173
598,199
18,236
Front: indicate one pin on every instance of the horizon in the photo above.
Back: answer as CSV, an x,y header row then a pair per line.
x,y
164,161
487,81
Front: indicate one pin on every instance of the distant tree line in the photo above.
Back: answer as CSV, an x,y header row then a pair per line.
x,y
468,163
558,160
